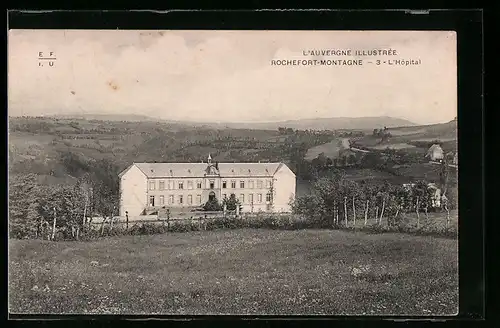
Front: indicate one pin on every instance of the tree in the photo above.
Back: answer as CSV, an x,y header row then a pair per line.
x,y
329,162
371,160
104,182
422,192
369,193
212,205
24,206
231,203
64,206
352,159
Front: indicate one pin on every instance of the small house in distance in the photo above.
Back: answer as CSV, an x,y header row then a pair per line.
x,y
435,153
149,187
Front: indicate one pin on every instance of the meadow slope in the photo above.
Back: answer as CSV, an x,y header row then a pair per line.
x,y
237,272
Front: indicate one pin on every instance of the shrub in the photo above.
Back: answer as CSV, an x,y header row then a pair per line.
x,y
212,205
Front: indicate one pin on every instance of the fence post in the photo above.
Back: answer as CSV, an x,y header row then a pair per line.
x,y
345,211
418,214
168,219
354,210
54,226
84,214
366,211
382,213
126,218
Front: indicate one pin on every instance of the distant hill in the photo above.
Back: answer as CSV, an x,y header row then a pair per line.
x,y
108,117
413,137
442,131
335,123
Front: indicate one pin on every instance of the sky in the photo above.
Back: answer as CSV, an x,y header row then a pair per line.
x,y
227,76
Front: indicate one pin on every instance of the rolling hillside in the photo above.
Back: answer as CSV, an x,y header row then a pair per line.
x,y
335,123
48,146
414,138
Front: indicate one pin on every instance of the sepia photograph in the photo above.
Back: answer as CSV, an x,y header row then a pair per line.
x,y
232,172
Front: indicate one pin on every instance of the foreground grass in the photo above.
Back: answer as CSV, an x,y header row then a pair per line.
x,y
237,272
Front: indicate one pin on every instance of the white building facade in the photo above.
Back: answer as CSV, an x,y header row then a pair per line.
x,y
144,187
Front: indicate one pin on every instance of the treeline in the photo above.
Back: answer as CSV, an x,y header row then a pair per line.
x,y
381,160
35,208
338,201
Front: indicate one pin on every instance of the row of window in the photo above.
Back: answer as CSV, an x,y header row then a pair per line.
x,y
180,184
251,200
180,199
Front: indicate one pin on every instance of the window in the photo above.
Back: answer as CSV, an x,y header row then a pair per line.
x,y
190,199
250,198
233,184
169,184
242,198
268,184
268,197
152,185
161,185
250,184
181,199
190,184
259,184
224,184
242,184
212,185
162,200
151,200
170,199
198,184
181,185
198,199
259,198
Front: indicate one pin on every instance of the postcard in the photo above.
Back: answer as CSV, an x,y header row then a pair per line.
x,y
233,172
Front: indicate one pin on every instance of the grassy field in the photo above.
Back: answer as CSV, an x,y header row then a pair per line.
x,y
237,272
